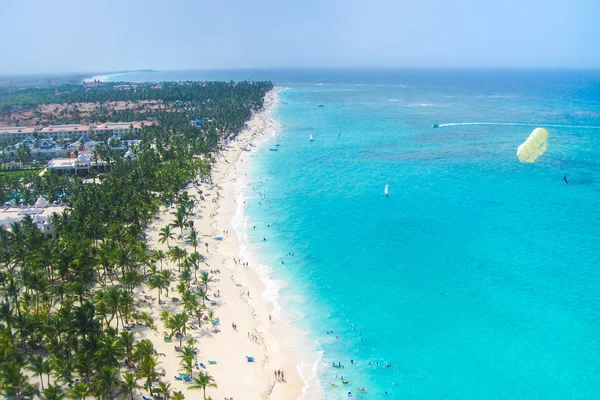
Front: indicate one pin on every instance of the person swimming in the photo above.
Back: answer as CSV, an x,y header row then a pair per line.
x,y
565,179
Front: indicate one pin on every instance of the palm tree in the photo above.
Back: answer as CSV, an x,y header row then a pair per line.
x,y
39,366
178,323
164,390
188,357
196,258
180,220
156,282
194,238
178,396
53,392
110,352
160,256
79,391
12,379
130,384
205,278
178,254
148,371
107,379
202,381
127,342
165,234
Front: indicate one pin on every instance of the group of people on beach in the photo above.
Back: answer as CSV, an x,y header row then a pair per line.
x,y
243,264
279,375
254,338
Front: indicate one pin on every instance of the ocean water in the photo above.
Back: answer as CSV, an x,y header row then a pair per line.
x,y
479,276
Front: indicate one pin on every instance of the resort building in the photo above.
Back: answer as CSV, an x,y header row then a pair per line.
x,y
39,212
15,132
81,164
11,133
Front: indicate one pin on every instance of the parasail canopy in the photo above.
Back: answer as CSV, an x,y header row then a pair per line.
x,y
535,145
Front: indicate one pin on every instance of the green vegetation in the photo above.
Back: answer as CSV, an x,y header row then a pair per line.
x,y
19,173
59,339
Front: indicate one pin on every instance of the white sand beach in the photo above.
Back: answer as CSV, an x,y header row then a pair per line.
x,y
258,333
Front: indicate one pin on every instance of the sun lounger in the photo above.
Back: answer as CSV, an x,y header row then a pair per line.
x,y
178,378
183,375
250,358
146,398
212,362
213,303
167,339
216,322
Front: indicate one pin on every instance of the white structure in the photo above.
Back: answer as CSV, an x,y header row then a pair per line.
x,y
129,154
83,161
15,132
40,215
41,203
74,130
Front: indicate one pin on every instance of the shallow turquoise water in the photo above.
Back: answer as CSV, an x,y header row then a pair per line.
x,y
478,278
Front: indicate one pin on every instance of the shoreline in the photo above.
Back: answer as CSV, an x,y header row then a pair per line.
x,y
260,333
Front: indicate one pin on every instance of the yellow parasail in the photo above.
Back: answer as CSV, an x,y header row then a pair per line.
x,y
535,145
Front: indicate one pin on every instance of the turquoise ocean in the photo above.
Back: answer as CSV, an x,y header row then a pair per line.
x,y
479,276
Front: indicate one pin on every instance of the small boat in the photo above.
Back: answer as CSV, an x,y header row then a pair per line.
x,y
435,126
386,191
277,144
320,105
272,149
311,137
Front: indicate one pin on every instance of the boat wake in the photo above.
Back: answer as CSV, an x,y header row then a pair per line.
x,y
517,124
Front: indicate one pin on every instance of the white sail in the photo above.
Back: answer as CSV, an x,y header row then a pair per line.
x,y
311,137
386,191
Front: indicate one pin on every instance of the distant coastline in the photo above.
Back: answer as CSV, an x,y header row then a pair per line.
x,y
107,76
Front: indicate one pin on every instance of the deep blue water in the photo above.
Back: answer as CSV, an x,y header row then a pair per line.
x,y
478,278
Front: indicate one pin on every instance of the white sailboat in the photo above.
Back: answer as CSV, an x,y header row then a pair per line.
x,y
386,191
311,137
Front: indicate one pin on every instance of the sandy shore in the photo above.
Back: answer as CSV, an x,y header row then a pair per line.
x,y
258,334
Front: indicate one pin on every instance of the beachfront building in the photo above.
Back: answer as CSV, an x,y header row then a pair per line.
x,y
14,133
18,133
39,212
83,142
43,147
79,165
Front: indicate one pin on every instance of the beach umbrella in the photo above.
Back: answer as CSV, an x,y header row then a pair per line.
x,y
535,145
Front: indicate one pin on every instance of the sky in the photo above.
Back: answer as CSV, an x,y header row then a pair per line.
x,y
107,35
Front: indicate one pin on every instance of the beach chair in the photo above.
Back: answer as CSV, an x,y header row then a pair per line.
x,y
146,398
213,303
167,339
178,378
250,358
216,322
212,362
